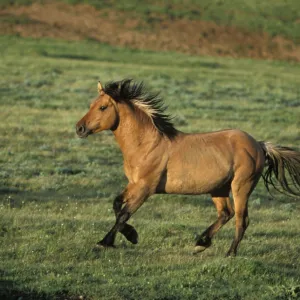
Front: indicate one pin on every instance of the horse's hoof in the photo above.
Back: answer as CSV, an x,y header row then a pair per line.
x,y
198,249
203,242
101,246
130,234
132,237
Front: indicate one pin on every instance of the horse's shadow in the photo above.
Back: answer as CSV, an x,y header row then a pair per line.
x,y
10,290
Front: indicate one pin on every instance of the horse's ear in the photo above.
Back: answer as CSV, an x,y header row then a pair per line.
x,y
100,88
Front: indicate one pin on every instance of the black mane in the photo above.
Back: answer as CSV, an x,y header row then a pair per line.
x,y
126,90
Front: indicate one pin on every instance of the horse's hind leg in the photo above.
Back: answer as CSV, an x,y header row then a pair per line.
x,y
241,193
225,213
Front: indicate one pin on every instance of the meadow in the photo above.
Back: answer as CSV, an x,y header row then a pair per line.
x,y
56,190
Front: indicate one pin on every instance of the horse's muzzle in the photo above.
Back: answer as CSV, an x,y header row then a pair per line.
x,y
82,131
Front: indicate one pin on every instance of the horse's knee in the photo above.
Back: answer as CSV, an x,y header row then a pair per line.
x,y
117,204
242,219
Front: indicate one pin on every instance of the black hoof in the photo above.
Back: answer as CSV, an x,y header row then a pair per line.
x,y
130,234
102,245
203,242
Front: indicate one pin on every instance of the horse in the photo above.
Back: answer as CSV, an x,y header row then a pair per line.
x,y
159,159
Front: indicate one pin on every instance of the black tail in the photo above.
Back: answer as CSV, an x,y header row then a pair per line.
x,y
281,161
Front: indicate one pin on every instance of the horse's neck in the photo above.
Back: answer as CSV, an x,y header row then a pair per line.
x,y
135,132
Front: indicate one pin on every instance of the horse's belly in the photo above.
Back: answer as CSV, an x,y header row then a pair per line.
x,y
193,183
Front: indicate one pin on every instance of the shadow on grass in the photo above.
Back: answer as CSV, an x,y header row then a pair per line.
x,y
9,290
211,65
9,190
194,200
276,233
16,198
66,56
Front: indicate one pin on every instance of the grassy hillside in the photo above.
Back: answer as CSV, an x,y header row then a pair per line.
x,y
280,17
56,190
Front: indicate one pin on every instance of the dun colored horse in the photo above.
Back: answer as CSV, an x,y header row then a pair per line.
x,y
160,159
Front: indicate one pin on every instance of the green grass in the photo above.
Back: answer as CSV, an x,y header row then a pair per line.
x,y
57,190
277,17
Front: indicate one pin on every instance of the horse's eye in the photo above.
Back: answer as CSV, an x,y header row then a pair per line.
x,y
103,108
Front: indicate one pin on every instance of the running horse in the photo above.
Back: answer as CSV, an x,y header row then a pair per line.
x,y
161,159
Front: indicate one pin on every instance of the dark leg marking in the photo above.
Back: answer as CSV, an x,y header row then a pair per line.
x,y
108,240
128,231
225,213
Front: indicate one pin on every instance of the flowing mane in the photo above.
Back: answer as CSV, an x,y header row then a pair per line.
x,y
151,104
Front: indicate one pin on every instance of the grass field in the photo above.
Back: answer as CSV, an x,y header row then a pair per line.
x,y
57,190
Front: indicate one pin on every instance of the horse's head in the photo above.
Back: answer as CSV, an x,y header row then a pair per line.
x,y
102,115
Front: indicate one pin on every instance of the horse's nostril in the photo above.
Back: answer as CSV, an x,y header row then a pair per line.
x,y
81,129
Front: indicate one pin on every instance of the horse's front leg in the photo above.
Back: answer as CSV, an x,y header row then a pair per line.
x,y
133,197
128,231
